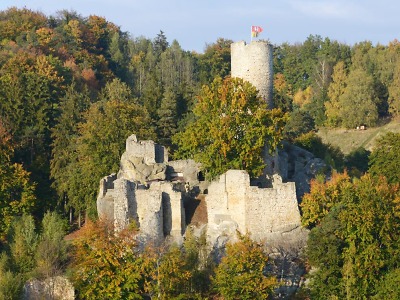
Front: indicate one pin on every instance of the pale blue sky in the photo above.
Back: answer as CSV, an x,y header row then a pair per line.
x,y
194,23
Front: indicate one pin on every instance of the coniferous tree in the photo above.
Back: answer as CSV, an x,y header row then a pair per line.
x,y
64,158
167,114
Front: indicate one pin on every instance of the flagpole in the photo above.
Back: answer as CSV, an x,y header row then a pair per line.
x,y
251,34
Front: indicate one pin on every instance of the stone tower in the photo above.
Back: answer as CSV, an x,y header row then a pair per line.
x,y
253,63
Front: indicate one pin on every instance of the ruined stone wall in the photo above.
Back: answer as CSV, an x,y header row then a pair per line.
x,y
254,63
150,212
272,210
125,210
140,193
232,202
151,152
173,211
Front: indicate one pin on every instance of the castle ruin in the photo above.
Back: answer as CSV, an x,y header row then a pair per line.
x,y
155,193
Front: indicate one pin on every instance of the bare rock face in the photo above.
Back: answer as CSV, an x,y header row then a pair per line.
x,y
300,166
58,287
136,169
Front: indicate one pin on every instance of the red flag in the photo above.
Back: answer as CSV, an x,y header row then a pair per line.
x,y
256,29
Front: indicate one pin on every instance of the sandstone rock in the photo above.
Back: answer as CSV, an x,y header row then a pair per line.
x,y
52,288
300,166
136,169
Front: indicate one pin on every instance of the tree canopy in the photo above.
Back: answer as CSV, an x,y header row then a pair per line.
x,y
231,128
356,241
384,159
241,273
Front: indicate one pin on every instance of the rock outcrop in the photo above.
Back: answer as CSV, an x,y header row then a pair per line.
x,y
58,287
297,165
148,190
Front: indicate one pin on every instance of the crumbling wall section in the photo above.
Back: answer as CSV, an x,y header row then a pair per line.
x,y
150,214
151,152
260,211
173,211
272,210
105,198
125,210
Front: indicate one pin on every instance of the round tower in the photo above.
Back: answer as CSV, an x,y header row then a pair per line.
x,y
253,63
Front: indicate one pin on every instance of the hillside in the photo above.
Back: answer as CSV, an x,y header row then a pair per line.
x,y
350,139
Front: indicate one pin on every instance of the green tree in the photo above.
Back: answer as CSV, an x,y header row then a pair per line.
x,y
10,283
168,119
359,101
394,92
216,61
100,144
51,255
231,129
324,252
300,122
323,196
389,286
72,106
17,192
160,43
24,241
241,273
174,286
282,97
357,161
384,159
15,23
357,239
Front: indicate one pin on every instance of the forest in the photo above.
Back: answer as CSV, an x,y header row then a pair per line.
x,y
73,88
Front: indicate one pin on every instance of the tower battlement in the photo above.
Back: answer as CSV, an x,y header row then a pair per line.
x,y
254,63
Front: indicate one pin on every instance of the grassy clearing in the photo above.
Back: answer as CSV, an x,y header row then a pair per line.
x,y
350,139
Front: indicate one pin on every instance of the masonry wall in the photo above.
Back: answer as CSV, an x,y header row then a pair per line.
x,y
150,213
151,152
254,63
272,210
260,211
124,203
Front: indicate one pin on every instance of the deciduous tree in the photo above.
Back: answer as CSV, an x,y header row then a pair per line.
x,y
384,159
106,265
241,273
231,129
356,242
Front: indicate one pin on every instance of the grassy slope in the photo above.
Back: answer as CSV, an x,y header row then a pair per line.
x,y
350,139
